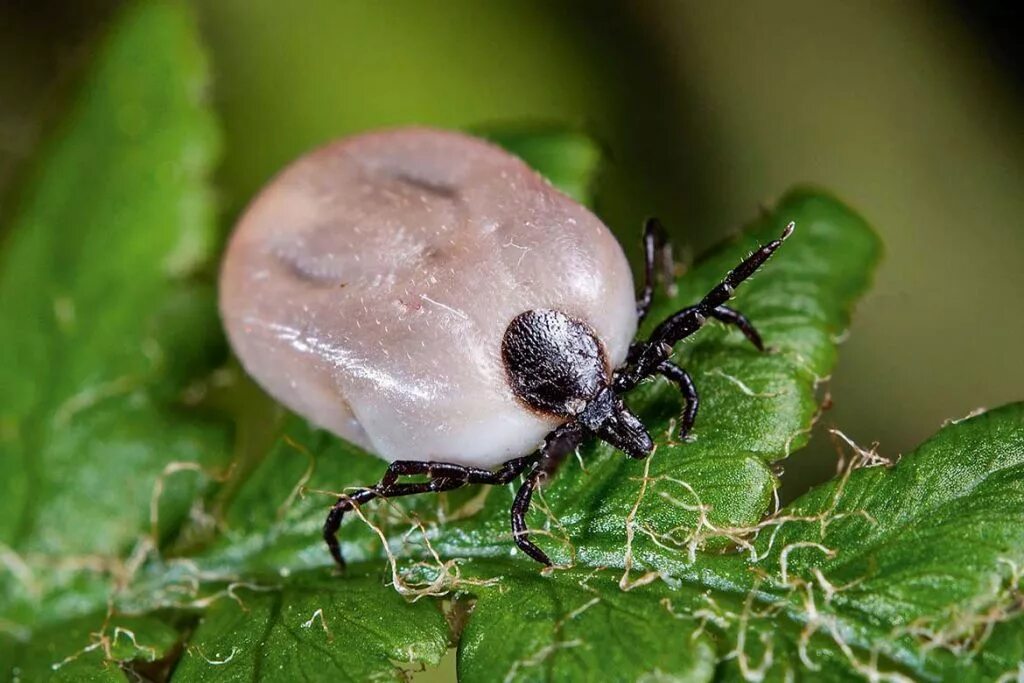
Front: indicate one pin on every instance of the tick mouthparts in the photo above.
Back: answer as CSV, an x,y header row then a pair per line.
x,y
625,431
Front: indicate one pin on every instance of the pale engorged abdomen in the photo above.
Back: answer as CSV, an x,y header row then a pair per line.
x,y
369,285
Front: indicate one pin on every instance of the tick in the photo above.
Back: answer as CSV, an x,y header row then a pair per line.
x,y
427,296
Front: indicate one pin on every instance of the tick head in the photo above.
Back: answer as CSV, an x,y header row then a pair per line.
x,y
624,430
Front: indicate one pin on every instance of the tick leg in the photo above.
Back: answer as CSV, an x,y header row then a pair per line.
x,y
689,320
645,357
691,400
346,503
557,445
468,475
521,504
656,248
733,317
443,477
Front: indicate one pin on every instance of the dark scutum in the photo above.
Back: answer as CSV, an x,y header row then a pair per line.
x,y
555,364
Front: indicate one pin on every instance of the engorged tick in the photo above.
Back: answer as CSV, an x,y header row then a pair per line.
x,y
429,297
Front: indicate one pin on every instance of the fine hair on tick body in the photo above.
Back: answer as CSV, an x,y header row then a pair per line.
x,y
427,296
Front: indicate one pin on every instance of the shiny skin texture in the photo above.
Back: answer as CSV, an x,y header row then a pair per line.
x,y
370,285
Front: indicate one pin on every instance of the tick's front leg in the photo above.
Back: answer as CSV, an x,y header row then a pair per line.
x,y
557,445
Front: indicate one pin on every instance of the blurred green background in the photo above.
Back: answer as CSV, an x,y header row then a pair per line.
x,y
909,111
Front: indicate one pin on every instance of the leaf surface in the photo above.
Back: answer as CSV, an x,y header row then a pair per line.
x,y
580,627
314,627
912,563
99,326
104,321
90,648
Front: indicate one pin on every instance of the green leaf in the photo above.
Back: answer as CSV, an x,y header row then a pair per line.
x,y
315,627
90,648
103,320
580,627
915,562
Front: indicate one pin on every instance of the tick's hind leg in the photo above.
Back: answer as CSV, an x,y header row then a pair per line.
x,y
442,477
